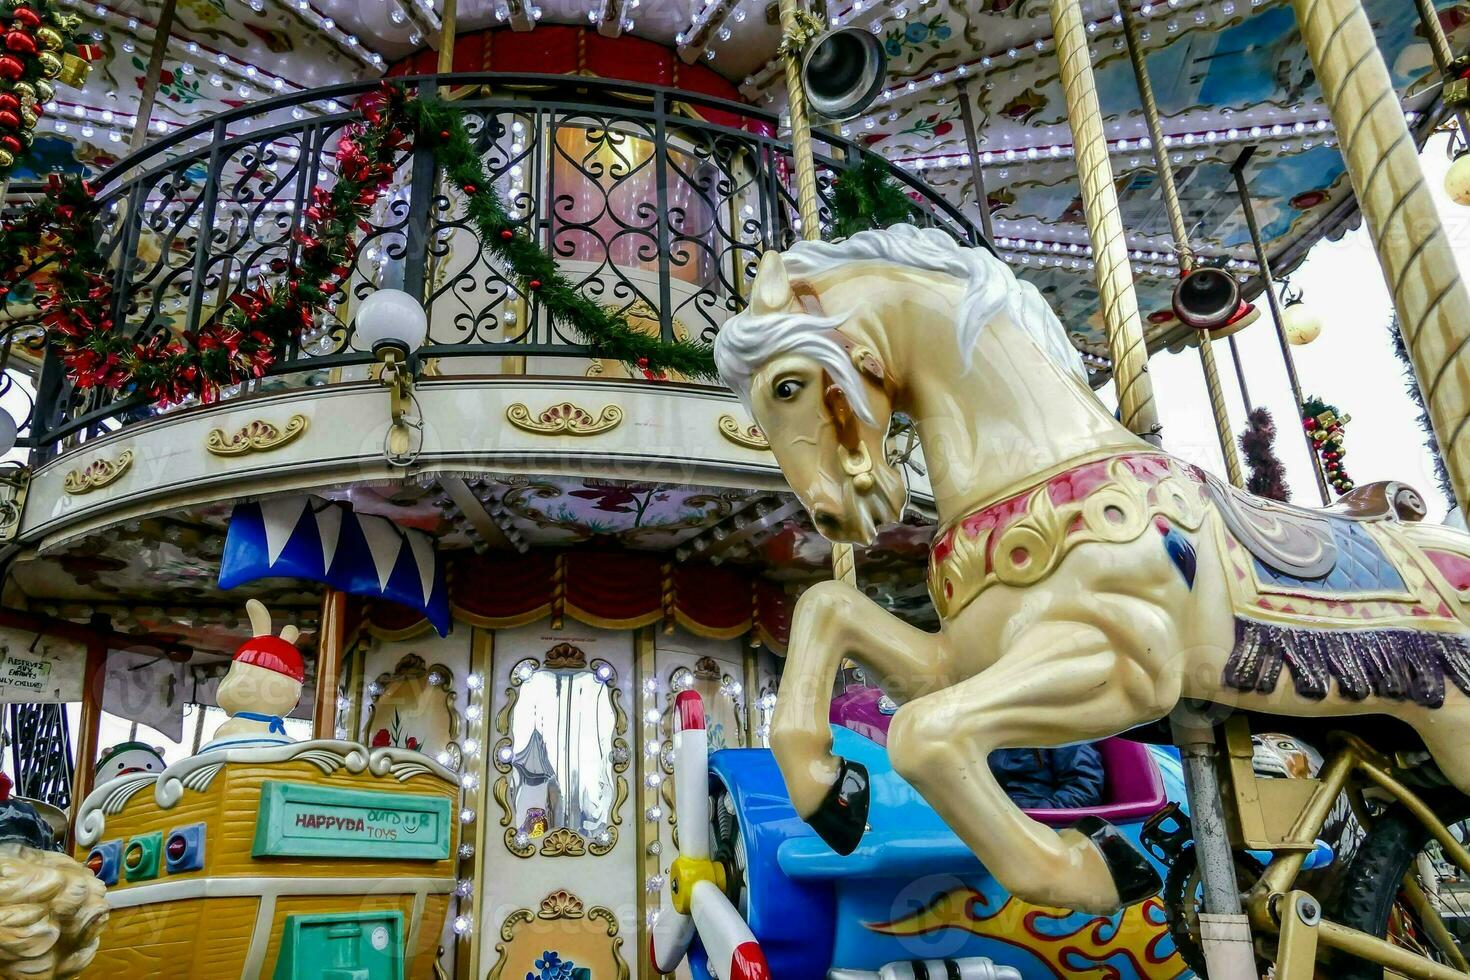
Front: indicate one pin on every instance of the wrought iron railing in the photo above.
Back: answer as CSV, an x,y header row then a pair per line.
x,y
659,202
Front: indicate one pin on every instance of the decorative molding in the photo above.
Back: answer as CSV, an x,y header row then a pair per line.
x,y
257,436
97,474
561,905
751,437
564,419
564,656
196,772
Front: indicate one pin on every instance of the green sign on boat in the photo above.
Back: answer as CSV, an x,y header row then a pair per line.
x,y
302,820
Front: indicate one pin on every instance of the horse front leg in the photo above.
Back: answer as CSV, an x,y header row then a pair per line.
x,y
834,621
1056,684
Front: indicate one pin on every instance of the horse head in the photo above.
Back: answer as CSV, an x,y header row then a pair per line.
x,y
822,396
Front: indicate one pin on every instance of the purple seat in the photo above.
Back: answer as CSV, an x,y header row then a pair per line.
x,y
1133,787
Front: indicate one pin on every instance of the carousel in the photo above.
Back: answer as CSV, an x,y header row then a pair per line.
x,y
590,490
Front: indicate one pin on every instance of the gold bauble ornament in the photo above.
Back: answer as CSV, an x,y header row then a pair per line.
x,y
50,64
49,38
7,158
44,91
1301,324
28,117
1457,180
24,91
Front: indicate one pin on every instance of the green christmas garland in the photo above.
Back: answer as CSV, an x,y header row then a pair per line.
x,y
260,321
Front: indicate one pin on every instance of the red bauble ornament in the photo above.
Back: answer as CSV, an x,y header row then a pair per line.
x,y
470,188
534,283
11,68
1309,424
9,101
643,363
9,120
26,16
10,143
21,43
444,134
506,234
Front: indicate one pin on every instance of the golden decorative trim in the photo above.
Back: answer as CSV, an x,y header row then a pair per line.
x,y
751,437
564,419
257,436
564,656
561,905
97,474
1029,548
563,842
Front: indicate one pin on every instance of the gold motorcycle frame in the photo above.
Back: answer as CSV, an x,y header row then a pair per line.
x,y
1285,817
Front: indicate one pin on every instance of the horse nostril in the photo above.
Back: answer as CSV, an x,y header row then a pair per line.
x,y
826,521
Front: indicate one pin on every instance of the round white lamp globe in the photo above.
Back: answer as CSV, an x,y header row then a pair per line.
x,y
1457,180
8,432
1301,324
392,319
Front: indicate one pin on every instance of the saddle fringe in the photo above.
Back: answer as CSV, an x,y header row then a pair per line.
x,y
1395,664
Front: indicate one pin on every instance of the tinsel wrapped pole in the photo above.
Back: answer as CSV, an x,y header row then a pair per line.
x,y
1264,262
1418,262
1165,173
1104,224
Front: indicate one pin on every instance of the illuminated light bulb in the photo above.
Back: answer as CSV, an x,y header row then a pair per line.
x,y
467,815
461,925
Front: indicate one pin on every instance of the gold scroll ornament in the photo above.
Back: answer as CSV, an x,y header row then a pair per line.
x,y
97,474
257,436
751,436
564,419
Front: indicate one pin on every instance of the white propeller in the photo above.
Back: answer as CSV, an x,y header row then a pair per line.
x,y
696,900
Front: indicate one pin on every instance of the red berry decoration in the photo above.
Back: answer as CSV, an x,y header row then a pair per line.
x,y
534,283
11,68
9,120
444,134
506,234
470,188
26,16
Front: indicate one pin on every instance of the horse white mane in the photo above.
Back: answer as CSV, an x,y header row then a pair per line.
x,y
748,340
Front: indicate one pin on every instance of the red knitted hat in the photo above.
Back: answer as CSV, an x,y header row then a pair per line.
x,y
272,653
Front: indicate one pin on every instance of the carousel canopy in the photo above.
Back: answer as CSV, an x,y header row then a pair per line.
x,y
1228,74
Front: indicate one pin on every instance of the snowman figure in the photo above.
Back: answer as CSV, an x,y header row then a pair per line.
x,y
126,758
261,687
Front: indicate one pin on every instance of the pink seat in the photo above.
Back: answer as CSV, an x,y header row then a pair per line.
x,y
1133,787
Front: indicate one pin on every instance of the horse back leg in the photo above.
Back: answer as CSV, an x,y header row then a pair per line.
x,y
1060,684
834,621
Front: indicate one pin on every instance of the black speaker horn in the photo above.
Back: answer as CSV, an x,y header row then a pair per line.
x,y
843,72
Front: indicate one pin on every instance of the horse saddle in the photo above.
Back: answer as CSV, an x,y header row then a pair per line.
x,y
1302,543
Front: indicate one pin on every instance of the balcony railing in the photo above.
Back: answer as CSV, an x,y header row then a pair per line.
x,y
659,202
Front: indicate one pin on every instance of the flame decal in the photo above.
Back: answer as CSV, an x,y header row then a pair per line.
x,y
1134,943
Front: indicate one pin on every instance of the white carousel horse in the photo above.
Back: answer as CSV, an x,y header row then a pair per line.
x,y
1086,581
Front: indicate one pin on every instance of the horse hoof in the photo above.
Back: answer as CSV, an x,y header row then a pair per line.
x,y
843,815
1133,875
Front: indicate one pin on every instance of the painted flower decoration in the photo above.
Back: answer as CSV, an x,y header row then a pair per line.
x,y
552,967
381,738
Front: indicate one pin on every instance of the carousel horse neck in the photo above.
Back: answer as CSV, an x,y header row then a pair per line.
x,y
1002,425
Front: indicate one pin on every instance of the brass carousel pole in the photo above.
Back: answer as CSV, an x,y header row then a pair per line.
x,y
1165,174
448,28
844,561
1104,224
977,175
1443,55
154,73
1383,161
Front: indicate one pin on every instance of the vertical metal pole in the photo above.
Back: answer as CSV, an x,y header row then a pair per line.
x,y
1262,260
977,175
423,182
1418,262
1227,942
1126,343
330,636
150,80
844,560
644,667
1165,173
94,676
1245,393
449,25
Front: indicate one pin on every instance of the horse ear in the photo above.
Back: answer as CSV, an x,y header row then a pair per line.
x,y
772,286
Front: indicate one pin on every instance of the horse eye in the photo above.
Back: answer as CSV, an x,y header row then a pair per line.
x,y
786,390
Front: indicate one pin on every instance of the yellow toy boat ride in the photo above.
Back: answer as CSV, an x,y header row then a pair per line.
x,y
262,857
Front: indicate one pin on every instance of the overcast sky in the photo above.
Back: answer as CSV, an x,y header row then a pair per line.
x,y
1351,365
